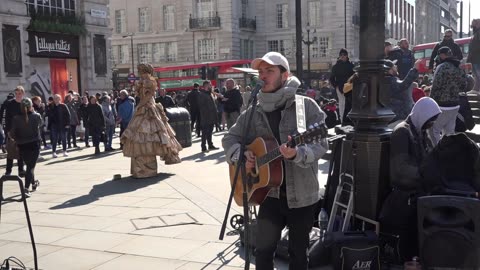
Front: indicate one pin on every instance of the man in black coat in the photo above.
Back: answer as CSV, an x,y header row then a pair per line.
x,y
341,71
12,109
208,114
192,106
449,42
232,101
166,101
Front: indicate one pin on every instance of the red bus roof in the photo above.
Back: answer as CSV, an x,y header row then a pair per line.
x,y
459,41
209,64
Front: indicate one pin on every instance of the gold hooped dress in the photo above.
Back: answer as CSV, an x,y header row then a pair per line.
x,y
149,135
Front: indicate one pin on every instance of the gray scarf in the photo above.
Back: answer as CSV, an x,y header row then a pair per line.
x,y
272,101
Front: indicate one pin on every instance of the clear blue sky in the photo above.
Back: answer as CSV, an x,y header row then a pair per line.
x,y
475,13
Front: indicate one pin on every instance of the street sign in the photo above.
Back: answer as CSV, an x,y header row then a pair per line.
x,y
132,78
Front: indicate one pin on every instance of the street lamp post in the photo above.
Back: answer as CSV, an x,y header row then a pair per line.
x,y
309,42
131,45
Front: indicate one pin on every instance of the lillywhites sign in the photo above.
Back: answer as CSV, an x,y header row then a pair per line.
x,y
60,46
52,45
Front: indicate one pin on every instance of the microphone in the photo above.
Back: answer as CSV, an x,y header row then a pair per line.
x,y
255,91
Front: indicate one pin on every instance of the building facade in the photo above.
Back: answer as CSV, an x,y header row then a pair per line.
x,y
168,32
427,27
433,18
400,20
51,47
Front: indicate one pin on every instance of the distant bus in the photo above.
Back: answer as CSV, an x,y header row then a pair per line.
x,y
181,78
424,51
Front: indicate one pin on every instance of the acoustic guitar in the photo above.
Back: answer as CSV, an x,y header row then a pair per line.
x,y
268,171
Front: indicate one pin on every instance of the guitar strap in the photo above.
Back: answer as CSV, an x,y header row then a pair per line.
x,y
301,112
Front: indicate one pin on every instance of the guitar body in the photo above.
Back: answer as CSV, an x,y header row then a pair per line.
x,y
260,180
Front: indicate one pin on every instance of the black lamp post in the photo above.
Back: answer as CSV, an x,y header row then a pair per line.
x,y
309,42
298,38
365,153
131,45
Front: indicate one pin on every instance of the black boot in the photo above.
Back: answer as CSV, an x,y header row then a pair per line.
x,y
97,150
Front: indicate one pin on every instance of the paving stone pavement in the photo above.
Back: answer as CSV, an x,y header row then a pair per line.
x,y
82,219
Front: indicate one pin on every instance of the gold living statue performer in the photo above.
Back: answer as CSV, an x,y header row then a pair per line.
x,y
148,134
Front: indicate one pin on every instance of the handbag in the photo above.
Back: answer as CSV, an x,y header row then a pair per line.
x,y
12,149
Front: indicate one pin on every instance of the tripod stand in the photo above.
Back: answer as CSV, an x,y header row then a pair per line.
x,y
241,169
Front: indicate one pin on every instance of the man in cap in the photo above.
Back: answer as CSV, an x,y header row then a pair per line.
x,y
341,71
293,203
404,57
448,80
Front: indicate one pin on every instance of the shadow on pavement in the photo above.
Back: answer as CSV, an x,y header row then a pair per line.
x,y
52,161
112,187
200,157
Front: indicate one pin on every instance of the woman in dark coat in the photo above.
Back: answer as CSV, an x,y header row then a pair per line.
x,y
96,122
26,133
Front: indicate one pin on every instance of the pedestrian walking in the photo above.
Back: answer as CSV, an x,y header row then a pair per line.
x,y
25,131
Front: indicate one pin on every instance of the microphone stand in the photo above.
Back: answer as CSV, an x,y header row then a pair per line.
x,y
241,167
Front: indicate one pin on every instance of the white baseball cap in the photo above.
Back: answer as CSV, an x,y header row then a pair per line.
x,y
273,58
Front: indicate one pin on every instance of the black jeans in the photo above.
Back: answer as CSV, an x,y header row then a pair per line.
x,y
29,152
72,135
273,216
59,134
195,119
207,131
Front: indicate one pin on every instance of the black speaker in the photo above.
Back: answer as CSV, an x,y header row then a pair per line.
x,y
449,232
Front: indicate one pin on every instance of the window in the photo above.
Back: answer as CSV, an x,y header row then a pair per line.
x,y
207,49
205,8
419,54
164,52
124,54
244,8
169,17
120,23
282,16
51,7
144,19
315,16
285,47
144,53
246,49
321,48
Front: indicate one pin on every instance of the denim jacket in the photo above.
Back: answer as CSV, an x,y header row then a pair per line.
x,y
301,172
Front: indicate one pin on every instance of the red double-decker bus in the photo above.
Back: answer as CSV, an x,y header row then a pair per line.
x,y
424,51
180,78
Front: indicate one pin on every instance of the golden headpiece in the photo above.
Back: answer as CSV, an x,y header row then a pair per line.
x,y
145,68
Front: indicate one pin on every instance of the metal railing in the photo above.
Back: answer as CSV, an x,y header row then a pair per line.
x,y
246,23
204,22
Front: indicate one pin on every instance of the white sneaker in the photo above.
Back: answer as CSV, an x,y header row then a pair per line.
x,y
65,154
54,155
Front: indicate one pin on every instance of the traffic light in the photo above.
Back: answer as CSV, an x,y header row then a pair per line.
x,y
203,72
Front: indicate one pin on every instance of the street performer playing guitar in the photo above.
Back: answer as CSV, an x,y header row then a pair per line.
x,y
292,203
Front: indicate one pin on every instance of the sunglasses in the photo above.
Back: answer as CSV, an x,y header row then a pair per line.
x,y
447,36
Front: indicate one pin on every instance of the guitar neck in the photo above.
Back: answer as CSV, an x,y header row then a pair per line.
x,y
306,137
269,157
